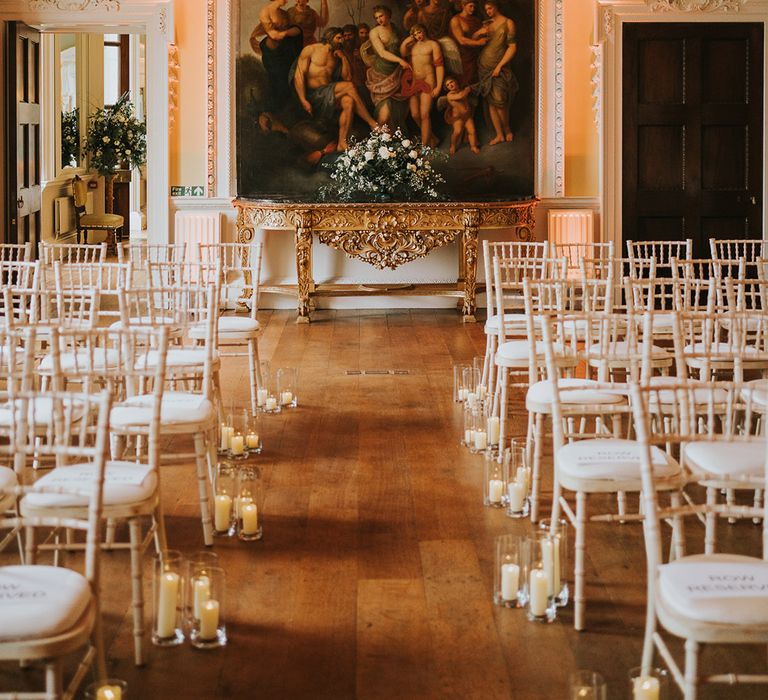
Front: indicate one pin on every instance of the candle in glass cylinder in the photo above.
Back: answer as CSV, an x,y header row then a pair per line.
x,y
223,512
522,477
516,493
645,688
261,397
250,515
202,592
539,592
209,619
166,604
550,555
510,579
270,404
226,436
286,397
494,430
109,692
252,441
481,439
236,445
469,438
495,490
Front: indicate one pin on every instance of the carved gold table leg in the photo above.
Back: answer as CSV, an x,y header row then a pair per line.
x,y
469,240
303,267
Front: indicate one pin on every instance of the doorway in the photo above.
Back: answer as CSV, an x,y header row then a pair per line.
x,y
692,132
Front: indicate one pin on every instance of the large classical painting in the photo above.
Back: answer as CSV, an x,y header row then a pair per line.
x,y
456,74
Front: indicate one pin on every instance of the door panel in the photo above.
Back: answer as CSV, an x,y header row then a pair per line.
x,y
692,132
23,147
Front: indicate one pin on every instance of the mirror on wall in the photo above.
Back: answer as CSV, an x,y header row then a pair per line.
x,y
68,104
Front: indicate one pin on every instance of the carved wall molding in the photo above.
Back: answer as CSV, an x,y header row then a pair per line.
x,y
559,102
173,84
695,5
597,78
608,21
210,42
74,5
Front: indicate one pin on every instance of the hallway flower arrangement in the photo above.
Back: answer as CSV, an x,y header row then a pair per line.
x,y
70,137
386,166
115,137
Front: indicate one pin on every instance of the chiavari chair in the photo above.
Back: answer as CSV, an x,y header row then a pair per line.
x,y
734,248
56,611
106,278
574,253
16,252
714,597
240,284
72,253
590,454
661,252
188,402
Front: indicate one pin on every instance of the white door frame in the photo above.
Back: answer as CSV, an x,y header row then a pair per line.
x,y
609,18
154,18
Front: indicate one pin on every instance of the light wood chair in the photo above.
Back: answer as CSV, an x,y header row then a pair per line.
x,y
574,253
591,456
116,360
64,614
188,407
239,286
72,253
734,248
106,278
16,252
661,252
112,225
710,598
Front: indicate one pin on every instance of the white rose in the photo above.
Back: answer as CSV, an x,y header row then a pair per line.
x,y
406,143
411,166
368,155
383,152
413,154
105,139
127,151
385,136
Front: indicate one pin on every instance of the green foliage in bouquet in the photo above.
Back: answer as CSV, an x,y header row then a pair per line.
x,y
115,136
70,138
385,166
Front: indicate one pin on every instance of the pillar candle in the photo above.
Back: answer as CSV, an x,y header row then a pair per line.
x,y
550,555
226,435
471,398
223,512
286,398
250,516
261,397
236,445
522,476
494,430
252,441
209,619
510,580
166,604
480,390
201,591
538,593
481,439
462,394
495,490
645,688
469,438
270,404
240,501
109,692
516,493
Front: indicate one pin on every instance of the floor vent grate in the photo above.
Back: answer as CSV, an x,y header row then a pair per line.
x,y
375,372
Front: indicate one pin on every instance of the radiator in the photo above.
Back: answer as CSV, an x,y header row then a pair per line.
x,y
569,232
193,228
64,214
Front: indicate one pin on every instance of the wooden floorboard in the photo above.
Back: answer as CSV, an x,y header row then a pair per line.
x,y
374,576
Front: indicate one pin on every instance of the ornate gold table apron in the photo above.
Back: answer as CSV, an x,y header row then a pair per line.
x,y
385,235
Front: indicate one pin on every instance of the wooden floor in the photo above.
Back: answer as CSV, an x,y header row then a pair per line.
x,y
373,579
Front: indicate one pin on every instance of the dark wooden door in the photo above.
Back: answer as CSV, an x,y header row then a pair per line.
x,y
692,132
23,144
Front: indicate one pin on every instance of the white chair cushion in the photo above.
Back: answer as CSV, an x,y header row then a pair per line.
x,y
229,327
542,393
516,321
515,353
717,348
724,589
178,407
40,601
124,482
7,480
619,351
611,459
143,321
700,396
177,358
81,360
726,457
757,390
40,411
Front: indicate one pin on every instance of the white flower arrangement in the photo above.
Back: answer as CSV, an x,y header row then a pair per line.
x,y
384,165
115,136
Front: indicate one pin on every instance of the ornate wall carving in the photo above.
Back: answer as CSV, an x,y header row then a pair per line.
x,y
74,5
696,5
210,42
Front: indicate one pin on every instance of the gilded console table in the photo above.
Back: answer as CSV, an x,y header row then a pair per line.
x,y
384,235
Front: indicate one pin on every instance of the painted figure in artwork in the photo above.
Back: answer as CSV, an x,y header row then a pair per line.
x,y
435,17
352,51
324,87
465,30
497,83
279,49
459,113
411,15
426,58
385,67
363,33
302,15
